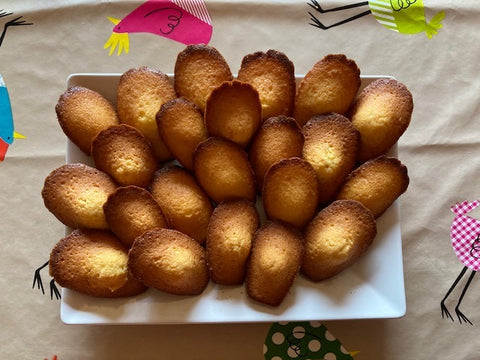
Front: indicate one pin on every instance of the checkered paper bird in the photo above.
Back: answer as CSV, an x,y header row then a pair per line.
x,y
465,237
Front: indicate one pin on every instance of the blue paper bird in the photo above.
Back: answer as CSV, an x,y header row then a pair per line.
x,y
7,134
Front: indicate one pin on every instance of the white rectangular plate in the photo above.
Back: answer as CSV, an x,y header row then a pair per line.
x,y
371,288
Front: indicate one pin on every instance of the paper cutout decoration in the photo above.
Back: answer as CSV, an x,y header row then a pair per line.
x,y
37,280
6,121
303,340
13,22
184,21
465,237
403,16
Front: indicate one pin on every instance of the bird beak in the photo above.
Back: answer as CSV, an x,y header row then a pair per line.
x,y
18,135
113,20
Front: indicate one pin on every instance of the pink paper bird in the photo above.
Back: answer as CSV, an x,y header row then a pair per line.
x,y
465,237
184,21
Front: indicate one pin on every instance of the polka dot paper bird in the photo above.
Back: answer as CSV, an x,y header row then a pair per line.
x,y
303,340
184,21
465,237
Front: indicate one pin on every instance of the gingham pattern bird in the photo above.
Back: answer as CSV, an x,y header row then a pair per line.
x,y
465,238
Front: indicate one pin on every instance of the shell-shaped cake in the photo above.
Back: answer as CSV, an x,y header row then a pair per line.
x,y
329,86
181,126
337,236
376,183
76,193
140,94
381,113
125,154
82,113
273,75
234,112
229,240
198,70
130,211
184,204
278,138
331,146
93,262
170,261
223,170
274,263
290,192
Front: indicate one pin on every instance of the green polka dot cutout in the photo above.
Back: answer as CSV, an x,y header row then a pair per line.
x,y
302,341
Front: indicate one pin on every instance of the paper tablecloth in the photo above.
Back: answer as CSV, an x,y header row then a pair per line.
x,y
440,149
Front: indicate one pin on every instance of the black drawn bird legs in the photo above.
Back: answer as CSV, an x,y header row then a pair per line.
x,y
460,315
13,22
37,280
317,23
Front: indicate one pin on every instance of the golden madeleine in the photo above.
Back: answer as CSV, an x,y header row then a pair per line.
x,y
278,138
337,236
331,146
290,192
381,113
329,86
140,94
198,70
82,113
223,170
273,75
181,126
376,183
229,239
274,262
125,154
184,204
93,262
233,111
130,211
170,261
75,194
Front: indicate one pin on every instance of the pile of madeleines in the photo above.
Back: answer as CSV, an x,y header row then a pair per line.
x,y
246,180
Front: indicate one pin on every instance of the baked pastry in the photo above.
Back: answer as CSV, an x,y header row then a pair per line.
x,y
93,262
181,126
82,113
290,192
331,147
274,262
273,75
330,86
337,236
75,194
140,94
130,211
183,202
222,169
229,239
233,111
381,113
198,70
278,138
125,154
376,183
169,261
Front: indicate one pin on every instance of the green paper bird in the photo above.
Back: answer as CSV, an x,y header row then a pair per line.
x,y
403,16
303,340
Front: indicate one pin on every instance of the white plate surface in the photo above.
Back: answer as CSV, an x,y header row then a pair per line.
x,y
371,288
